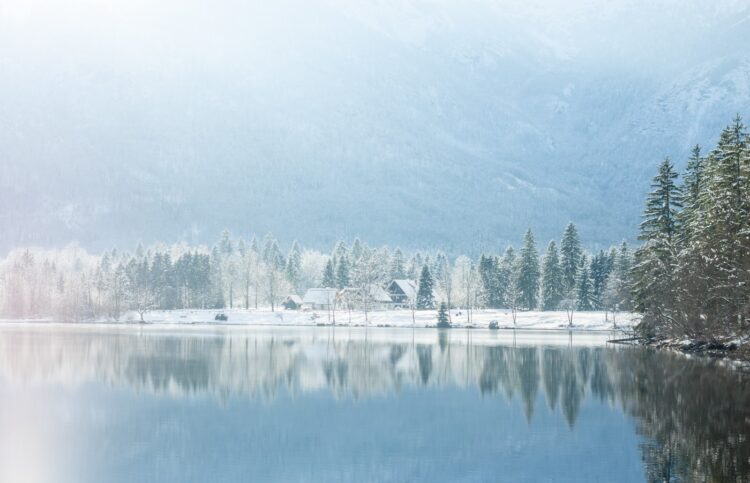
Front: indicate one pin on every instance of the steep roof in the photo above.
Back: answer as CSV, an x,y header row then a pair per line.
x,y
407,287
320,296
375,292
296,299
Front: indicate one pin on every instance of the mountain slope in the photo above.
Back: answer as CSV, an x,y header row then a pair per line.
x,y
405,122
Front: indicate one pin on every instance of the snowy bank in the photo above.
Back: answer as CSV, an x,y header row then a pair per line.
x,y
390,318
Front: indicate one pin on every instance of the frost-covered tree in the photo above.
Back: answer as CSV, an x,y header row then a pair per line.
x,y
507,275
489,277
314,266
655,260
425,298
397,267
443,321
225,243
465,284
570,257
600,269
329,279
584,288
528,272
293,268
342,271
444,279
720,229
552,279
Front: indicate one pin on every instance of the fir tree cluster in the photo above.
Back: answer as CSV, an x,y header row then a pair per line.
x,y
565,277
236,273
692,273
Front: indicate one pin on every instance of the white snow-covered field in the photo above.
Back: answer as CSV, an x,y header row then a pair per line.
x,y
390,318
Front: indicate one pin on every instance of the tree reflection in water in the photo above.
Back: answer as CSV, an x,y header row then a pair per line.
x,y
693,415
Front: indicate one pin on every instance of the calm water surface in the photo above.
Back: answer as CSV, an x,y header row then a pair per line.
x,y
132,404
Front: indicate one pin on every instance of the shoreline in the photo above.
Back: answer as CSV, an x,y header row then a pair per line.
x,y
734,352
170,325
480,320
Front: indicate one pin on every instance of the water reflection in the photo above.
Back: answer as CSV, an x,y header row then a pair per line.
x,y
693,415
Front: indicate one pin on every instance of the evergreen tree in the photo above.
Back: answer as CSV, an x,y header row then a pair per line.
x,y
488,275
425,298
507,276
623,262
397,269
552,279
415,265
584,296
225,243
443,275
342,272
599,275
443,321
655,260
356,252
340,251
720,229
329,279
693,181
570,253
294,265
528,272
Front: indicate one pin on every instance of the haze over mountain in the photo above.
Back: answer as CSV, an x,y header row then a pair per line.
x,y
412,123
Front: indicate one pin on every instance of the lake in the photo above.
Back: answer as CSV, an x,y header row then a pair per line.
x,y
321,404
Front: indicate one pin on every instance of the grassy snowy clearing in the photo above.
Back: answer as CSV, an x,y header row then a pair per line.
x,y
389,318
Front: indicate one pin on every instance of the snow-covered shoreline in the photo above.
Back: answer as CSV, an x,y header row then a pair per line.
x,y
533,320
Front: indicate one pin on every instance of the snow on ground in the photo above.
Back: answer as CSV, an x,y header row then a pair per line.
x,y
390,318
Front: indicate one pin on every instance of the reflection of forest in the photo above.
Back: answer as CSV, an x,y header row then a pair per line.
x,y
694,415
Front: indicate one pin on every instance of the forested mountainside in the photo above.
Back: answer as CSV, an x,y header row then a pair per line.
x,y
450,124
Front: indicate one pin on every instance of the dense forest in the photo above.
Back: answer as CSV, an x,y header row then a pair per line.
x,y
235,273
691,276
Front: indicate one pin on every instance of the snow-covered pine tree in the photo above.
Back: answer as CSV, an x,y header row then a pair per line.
x,y
507,277
225,243
584,287
443,321
293,268
342,272
425,298
444,279
655,261
720,228
397,269
415,265
356,252
528,272
693,181
599,275
552,279
488,276
329,279
570,257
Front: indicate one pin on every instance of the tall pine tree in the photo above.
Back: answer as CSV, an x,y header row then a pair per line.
x,y
584,288
528,274
570,254
425,298
552,279
655,261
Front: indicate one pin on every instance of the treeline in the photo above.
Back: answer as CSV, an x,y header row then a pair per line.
x,y
235,273
692,273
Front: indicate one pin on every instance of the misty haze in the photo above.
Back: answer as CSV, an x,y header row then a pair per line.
x,y
374,240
